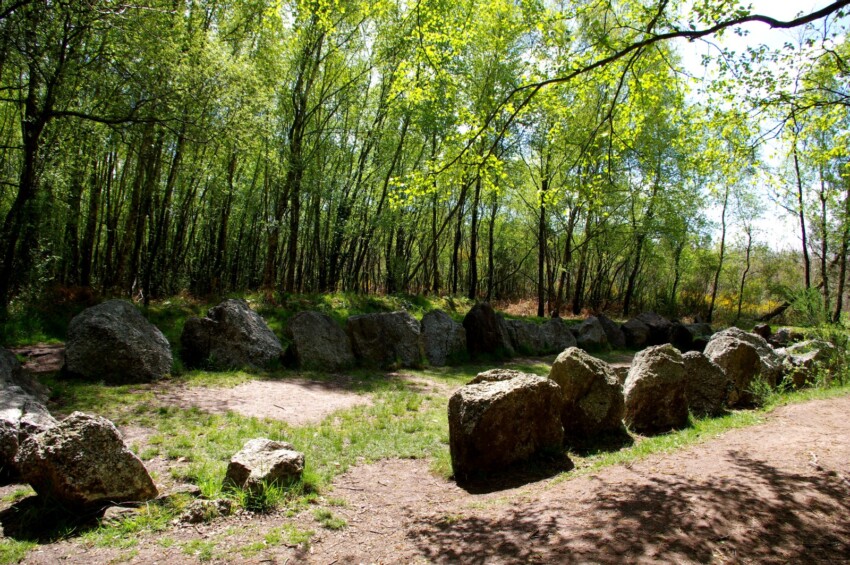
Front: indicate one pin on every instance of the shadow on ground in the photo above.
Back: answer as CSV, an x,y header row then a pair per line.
x,y
761,514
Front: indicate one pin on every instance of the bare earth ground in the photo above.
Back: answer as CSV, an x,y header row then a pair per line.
x,y
774,493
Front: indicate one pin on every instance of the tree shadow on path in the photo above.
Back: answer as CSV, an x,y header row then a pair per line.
x,y
757,513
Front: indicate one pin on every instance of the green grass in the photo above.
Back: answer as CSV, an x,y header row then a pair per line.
x,y
202,549
18,494
327,519
13,551
288,534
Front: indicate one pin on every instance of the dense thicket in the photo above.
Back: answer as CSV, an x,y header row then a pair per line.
x,y
155,147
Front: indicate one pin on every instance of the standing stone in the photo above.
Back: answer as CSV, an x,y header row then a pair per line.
x,y
707,386
744,357
114,343
556,336
526,337
263,462
443,339
231,336
82,462
659,327
495,423
317,342
486,332
636,334
387,340
22,412
655,391
615,335
593,398
590,335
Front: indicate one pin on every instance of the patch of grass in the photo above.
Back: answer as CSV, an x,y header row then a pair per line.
x,y
288,534
18,494
152,517
14,551
202,549
327,519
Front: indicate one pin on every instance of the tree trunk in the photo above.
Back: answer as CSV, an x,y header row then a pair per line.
x,y
716,282
473,242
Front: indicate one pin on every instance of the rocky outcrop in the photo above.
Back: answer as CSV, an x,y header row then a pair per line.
x,y
22,412
590,335
317,342
593,398
556,336
82,462
231,336
805,359
744,357
443,339
615,335
387,340
112,342
636,334
486,333
654,392
495,423
706,385
262,462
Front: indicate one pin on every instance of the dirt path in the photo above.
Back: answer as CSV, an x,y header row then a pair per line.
x,y
775,493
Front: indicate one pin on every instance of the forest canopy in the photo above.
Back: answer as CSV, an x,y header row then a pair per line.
x,y
559,151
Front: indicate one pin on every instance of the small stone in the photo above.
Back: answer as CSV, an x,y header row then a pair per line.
x,y
263,461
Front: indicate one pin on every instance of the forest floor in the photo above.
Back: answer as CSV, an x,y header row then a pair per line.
x,y
776,492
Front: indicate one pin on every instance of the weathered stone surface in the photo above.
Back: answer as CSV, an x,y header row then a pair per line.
x,y
744,357
262,462
615,335
389,339
486,332
593,397
763,330
494,423
495,375
636,334
785,336
317,342
700,334
706,385
443,339
202,511
22,412
590,335
556,336
654,392
526,337
680,337
659,327
231,336
114,343
622,374
82,462
804,359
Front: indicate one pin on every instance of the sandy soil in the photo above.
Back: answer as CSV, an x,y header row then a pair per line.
x,y
774,493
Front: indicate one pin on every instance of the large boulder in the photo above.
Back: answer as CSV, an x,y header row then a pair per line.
x,y
659,327
262,462
387,340
486,332
593,398
82,462
700,334
114,343
494,423
744,357
706,385
615,335
590,335
636,334
443,339
805,359
556,336
655,391
231,336
526,337
22,412
317,342
680,337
